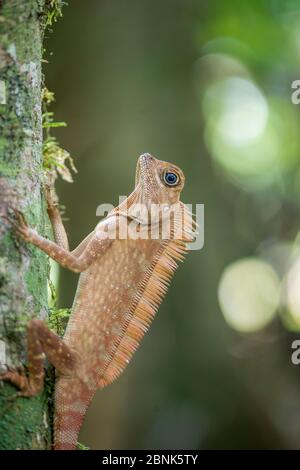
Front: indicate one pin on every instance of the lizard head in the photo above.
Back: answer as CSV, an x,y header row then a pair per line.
x,y
158,185
159,182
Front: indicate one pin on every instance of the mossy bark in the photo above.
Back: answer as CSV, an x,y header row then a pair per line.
x,y
24,422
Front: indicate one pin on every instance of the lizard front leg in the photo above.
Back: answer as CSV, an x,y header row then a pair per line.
x,y
41,341
78,260
58,228
59,231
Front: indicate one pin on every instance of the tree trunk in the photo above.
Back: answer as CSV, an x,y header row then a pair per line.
x,y
24,422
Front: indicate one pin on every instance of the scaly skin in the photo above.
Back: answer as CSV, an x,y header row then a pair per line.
x,y
121,285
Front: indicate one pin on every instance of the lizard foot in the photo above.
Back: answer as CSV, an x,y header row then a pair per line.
x,y
19,224
17,378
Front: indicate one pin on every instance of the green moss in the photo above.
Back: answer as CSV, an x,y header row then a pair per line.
x,y
52,11
58,320
3,143
33,427
55,158
25,27
16,119
7,248
7,170
81,446
4,272
23,268
35,281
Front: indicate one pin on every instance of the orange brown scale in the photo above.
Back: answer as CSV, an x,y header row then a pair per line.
x,y
121,286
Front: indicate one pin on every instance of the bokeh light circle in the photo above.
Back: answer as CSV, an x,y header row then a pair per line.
x,y
249,294
293,293
253,137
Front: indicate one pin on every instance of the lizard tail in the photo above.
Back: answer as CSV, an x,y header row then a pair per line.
x,y
72,398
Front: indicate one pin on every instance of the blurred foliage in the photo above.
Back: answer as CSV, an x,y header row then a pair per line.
x,y
58,320
206,85
55,158
52,11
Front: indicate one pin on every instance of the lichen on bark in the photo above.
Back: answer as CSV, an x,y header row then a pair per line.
x,y
24,423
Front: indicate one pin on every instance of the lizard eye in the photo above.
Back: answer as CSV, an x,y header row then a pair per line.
x,y
171,178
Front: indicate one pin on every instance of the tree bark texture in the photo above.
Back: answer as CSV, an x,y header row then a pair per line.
x,y
24,422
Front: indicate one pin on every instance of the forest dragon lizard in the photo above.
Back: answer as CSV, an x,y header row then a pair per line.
x,y
122,283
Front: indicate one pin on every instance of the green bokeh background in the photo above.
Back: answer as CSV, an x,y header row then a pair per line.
x,y
132,77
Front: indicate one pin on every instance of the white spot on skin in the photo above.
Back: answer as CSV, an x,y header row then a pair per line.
x,y
78,406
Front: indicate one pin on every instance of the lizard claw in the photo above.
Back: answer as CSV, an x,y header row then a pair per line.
x,y
5,376
18,378
7,373
19,216
18,223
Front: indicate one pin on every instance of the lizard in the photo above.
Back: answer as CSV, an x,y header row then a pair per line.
x,y
121,285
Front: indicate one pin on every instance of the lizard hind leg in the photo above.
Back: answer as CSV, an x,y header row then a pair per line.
x,y
72,396
41,341
72,399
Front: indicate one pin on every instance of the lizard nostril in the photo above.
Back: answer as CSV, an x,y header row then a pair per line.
x,y
147,156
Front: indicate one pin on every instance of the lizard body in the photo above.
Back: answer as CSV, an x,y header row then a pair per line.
x,y
121,285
